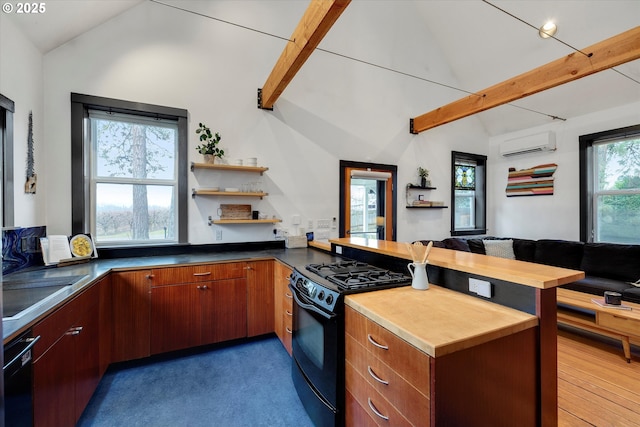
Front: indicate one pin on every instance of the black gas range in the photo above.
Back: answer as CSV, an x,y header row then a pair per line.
x,y
324,283
318,330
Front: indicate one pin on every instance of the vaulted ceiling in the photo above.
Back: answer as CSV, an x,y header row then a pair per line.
x,y
485,42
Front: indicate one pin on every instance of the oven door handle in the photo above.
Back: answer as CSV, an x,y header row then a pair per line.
x,y
310,306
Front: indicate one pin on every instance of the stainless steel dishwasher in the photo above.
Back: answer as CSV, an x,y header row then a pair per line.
x,y
18,376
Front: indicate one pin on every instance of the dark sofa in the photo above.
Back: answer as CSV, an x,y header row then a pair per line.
x,y
607,266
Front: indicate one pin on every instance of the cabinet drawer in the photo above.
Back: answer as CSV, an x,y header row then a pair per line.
x,y
356,416
52,327
287,300
409,362
373,403
619,323
407,399
197,273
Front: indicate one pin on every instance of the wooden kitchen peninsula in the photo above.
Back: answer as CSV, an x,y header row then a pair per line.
x,y
436,358
527,287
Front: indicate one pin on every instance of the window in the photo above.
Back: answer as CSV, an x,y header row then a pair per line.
x,y
7,108
468,194
129,172
610,186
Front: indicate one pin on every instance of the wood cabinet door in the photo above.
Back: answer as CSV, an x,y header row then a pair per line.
x,y
131,295
223,314
54,385
260,297
106,323
175,317
283,304
86,341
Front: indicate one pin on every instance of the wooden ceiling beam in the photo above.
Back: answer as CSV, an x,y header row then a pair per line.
x,y
624,47
313,26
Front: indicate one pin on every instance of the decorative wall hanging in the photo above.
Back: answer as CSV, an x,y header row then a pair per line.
x,y
537,181
30,185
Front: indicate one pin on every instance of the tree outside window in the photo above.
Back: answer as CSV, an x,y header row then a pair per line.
x,y
617,191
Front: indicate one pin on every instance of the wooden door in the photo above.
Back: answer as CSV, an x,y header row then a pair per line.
x,y
131,293
260,297
54,385
174,317
283,304
86,340
223,306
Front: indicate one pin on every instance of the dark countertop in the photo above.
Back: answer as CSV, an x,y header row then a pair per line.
x,y
96,269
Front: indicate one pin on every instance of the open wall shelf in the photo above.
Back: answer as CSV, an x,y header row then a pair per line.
x,y
223,167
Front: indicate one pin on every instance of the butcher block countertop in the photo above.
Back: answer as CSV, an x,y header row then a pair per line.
x,y
439,321
524,273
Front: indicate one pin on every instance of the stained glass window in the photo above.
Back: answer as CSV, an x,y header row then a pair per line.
x,y
465,177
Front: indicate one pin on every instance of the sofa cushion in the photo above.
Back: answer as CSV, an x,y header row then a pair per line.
x,y
559,253
524,249
476,246
631,294
499,248
456,244
620,262
597,285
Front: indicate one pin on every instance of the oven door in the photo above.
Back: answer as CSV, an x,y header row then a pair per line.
x,y
316,345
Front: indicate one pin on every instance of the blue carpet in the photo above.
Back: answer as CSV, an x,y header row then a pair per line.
x,y
242,384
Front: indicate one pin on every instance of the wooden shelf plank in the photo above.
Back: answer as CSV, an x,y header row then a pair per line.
x,y
427,207
196,192
246,221
259,169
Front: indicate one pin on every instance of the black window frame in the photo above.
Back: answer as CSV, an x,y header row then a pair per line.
x,y
7,108
586,143
480,193
80,106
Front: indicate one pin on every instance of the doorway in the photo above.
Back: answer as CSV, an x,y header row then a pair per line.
x,y
367,200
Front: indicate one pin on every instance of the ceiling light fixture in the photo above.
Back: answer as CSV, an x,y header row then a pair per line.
x,y
548,30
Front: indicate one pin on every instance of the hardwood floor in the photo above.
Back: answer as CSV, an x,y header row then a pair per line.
x,y
596,386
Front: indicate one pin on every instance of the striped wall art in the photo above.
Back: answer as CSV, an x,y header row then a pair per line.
x,y
536,181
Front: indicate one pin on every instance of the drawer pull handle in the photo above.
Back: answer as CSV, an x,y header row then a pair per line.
x,y
149,276
372,341
289,331
375,411
202,288
288,313
74,331
207,273
375,377
288,295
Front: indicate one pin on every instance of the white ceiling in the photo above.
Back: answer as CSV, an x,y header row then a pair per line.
x,y
483,45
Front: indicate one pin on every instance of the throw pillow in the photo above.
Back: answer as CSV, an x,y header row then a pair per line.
x,y
499,248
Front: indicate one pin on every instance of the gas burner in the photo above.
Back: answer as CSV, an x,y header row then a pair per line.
x,y
340,267
368,279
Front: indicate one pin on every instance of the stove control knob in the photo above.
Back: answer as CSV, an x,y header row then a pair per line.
x,y
321,295
329,299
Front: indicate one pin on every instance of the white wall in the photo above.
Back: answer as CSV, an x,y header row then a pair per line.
x,y
556,216
21,81
335,109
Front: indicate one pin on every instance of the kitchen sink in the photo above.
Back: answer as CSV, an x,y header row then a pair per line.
x,y
22,295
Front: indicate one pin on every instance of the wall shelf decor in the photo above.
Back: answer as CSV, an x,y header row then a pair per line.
x,y
221,167
246,221
422,204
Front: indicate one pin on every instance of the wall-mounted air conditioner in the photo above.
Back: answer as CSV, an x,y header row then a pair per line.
x,y
545,141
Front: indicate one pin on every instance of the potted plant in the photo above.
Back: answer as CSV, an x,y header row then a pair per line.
x,y
423,174
209,144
